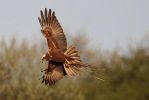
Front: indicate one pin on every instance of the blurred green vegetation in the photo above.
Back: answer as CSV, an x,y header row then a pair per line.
x,y
126,76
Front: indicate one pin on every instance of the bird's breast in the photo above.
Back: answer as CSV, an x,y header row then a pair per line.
x,y
57,55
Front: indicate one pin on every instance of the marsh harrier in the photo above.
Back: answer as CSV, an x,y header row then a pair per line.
x,y
61,60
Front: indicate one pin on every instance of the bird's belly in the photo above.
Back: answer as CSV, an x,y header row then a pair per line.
x,y
57,55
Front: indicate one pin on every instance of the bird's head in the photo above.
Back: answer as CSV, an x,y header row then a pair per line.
x,y
46,57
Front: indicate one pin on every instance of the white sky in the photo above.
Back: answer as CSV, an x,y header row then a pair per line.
x,y
107,22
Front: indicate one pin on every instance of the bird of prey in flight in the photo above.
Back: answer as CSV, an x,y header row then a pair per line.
x,y
62,60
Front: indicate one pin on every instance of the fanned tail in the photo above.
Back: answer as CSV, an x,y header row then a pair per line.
x,y
72,63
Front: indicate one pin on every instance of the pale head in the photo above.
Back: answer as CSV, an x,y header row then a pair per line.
x,y
46,57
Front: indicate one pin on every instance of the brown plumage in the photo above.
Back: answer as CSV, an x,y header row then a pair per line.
x,y
61,60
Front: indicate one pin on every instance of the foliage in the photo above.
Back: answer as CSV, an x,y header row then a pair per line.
x,y
125,76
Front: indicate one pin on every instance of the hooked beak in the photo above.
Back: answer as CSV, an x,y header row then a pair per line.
x,y
43,57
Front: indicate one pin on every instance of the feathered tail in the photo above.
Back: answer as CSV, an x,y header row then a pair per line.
x,y
72,63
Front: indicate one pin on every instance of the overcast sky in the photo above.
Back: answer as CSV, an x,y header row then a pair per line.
x,y
106,22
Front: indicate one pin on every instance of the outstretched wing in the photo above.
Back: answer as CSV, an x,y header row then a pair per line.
x,y
52,30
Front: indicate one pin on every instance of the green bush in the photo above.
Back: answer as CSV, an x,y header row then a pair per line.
x,y
125,76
